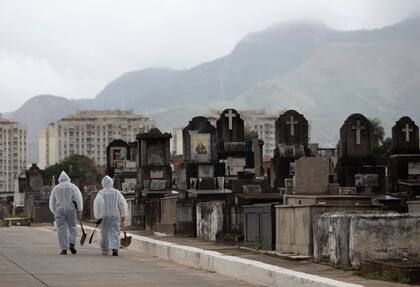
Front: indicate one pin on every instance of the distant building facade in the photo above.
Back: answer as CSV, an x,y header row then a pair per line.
x,y
176,142
89,133
13,154
259,121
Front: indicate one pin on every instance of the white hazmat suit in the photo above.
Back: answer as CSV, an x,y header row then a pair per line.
x,y
110,205
62,199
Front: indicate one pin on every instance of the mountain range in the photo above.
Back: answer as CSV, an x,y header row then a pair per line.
x,y
324,73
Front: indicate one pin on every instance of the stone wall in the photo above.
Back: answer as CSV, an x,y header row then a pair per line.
x,y
294,225
209,219
347,239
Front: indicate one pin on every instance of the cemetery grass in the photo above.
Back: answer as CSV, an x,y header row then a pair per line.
x,y
385,276
237,252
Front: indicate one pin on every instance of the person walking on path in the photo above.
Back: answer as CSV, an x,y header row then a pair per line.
x,y
64,199
111,207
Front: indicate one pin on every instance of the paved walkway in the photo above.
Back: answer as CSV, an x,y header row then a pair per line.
x,y
29,257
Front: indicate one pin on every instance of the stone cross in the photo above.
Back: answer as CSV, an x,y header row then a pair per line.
x,y
407,131
292,124
358,128
230,115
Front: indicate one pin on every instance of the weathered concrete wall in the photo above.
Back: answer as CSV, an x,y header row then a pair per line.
x,y
294,225
331,239
413,206
209,219
348,239
130,211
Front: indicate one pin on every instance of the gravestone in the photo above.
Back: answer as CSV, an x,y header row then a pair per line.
x,y
292,129
154,171
199,140
312,175
230,141
356,166
405,137
154,176
117,152
37,196
404,164
202,173
291,143
200,155
356,140
243,158
121,165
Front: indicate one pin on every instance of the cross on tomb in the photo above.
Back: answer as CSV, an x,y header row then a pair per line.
x,y
407,131
358,128
292,124
230,115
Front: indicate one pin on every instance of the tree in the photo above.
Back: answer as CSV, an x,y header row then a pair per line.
x,y
383,147
382,152
378,131
81,169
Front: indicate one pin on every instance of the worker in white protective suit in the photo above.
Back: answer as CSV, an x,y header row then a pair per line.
x,y
66,204
110,206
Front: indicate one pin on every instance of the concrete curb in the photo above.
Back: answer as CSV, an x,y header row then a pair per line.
x,y
250,271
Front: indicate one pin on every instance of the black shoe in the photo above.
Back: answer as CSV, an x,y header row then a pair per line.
x,y
72,249
63,252
114,252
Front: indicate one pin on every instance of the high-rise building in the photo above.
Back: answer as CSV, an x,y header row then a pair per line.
x,y
13,154
89,133
176,142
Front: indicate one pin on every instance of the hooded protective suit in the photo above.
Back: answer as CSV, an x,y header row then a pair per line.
x,y
110,205
61,205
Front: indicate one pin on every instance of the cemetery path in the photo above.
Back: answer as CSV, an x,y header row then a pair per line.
x,y
29,257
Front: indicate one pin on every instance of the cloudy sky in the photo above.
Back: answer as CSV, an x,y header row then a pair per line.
x,y
74,48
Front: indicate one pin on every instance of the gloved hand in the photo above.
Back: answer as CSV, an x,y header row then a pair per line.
x,y
79,215
98,221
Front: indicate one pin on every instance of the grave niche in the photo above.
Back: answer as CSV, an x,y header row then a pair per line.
x,y
118,152
200,156
356,166
154,173
404,164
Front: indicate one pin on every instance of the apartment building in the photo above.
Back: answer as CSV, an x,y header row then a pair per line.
x,y
89,133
